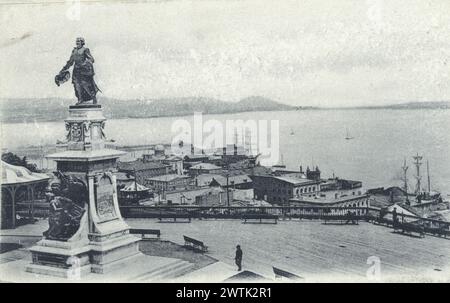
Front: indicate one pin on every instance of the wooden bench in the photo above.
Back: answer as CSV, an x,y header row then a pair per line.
x,y
279,273
144,232
370,218
251,218
343,219
172,218
195,244
410,228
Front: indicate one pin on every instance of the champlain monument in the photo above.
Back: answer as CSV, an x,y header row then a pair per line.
x,y
86,230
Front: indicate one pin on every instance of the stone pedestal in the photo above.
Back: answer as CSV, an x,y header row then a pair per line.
x,y
102,242
64,259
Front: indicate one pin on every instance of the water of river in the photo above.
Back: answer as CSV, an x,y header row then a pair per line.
x,y
382,139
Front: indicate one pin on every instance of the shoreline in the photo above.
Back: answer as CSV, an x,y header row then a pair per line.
x,y
162,116
33,119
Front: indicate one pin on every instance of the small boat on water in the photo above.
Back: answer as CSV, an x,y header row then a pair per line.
x,y
292,132
347,136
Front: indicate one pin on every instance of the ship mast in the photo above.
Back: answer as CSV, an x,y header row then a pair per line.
x,y
405,180
428,175
417,163
248,143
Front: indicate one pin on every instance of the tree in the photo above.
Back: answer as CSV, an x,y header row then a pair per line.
x,y
13,159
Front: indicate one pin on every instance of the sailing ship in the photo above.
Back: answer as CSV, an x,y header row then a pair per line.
x,y
423,196
427,196
292,132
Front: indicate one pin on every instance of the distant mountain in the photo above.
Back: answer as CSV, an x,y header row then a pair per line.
x,y
260,104
52,109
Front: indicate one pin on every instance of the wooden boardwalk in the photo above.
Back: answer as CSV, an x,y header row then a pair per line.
x,y
317,251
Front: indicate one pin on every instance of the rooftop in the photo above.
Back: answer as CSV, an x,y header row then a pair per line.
x,y
237,179
205,179
295,181
167,178
259,171
140,165
121,176
173,158
206,166
215,157
12,174
337,183
194,157
134,187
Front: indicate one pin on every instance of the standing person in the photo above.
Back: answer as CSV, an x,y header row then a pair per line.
x,y
394,217
349,217
238,257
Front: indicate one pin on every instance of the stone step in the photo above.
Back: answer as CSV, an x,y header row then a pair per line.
x,y
160,272
176,273
156,270
136,266
169,271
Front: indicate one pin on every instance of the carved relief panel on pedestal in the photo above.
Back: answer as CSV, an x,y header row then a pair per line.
x,y
75,132
104,194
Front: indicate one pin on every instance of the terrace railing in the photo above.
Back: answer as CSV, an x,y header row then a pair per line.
x,y
371,214
283,213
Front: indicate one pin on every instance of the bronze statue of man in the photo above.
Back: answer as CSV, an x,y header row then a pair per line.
x,y
83,73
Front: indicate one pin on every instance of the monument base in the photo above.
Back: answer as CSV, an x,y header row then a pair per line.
x,y
61,259
64,259
137,269
114,253
66,273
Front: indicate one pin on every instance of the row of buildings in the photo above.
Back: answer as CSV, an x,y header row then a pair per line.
x,y
227,179
219,179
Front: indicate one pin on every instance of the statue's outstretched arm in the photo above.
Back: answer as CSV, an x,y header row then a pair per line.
x,y
69,63
88,55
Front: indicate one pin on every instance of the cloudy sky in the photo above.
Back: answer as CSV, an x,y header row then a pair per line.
x,y
322,53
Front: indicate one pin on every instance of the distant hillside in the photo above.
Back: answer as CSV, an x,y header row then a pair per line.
x,y
28,110
52,109
422,105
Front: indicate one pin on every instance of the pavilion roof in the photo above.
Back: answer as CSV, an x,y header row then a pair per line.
x,y
12,174
134,187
